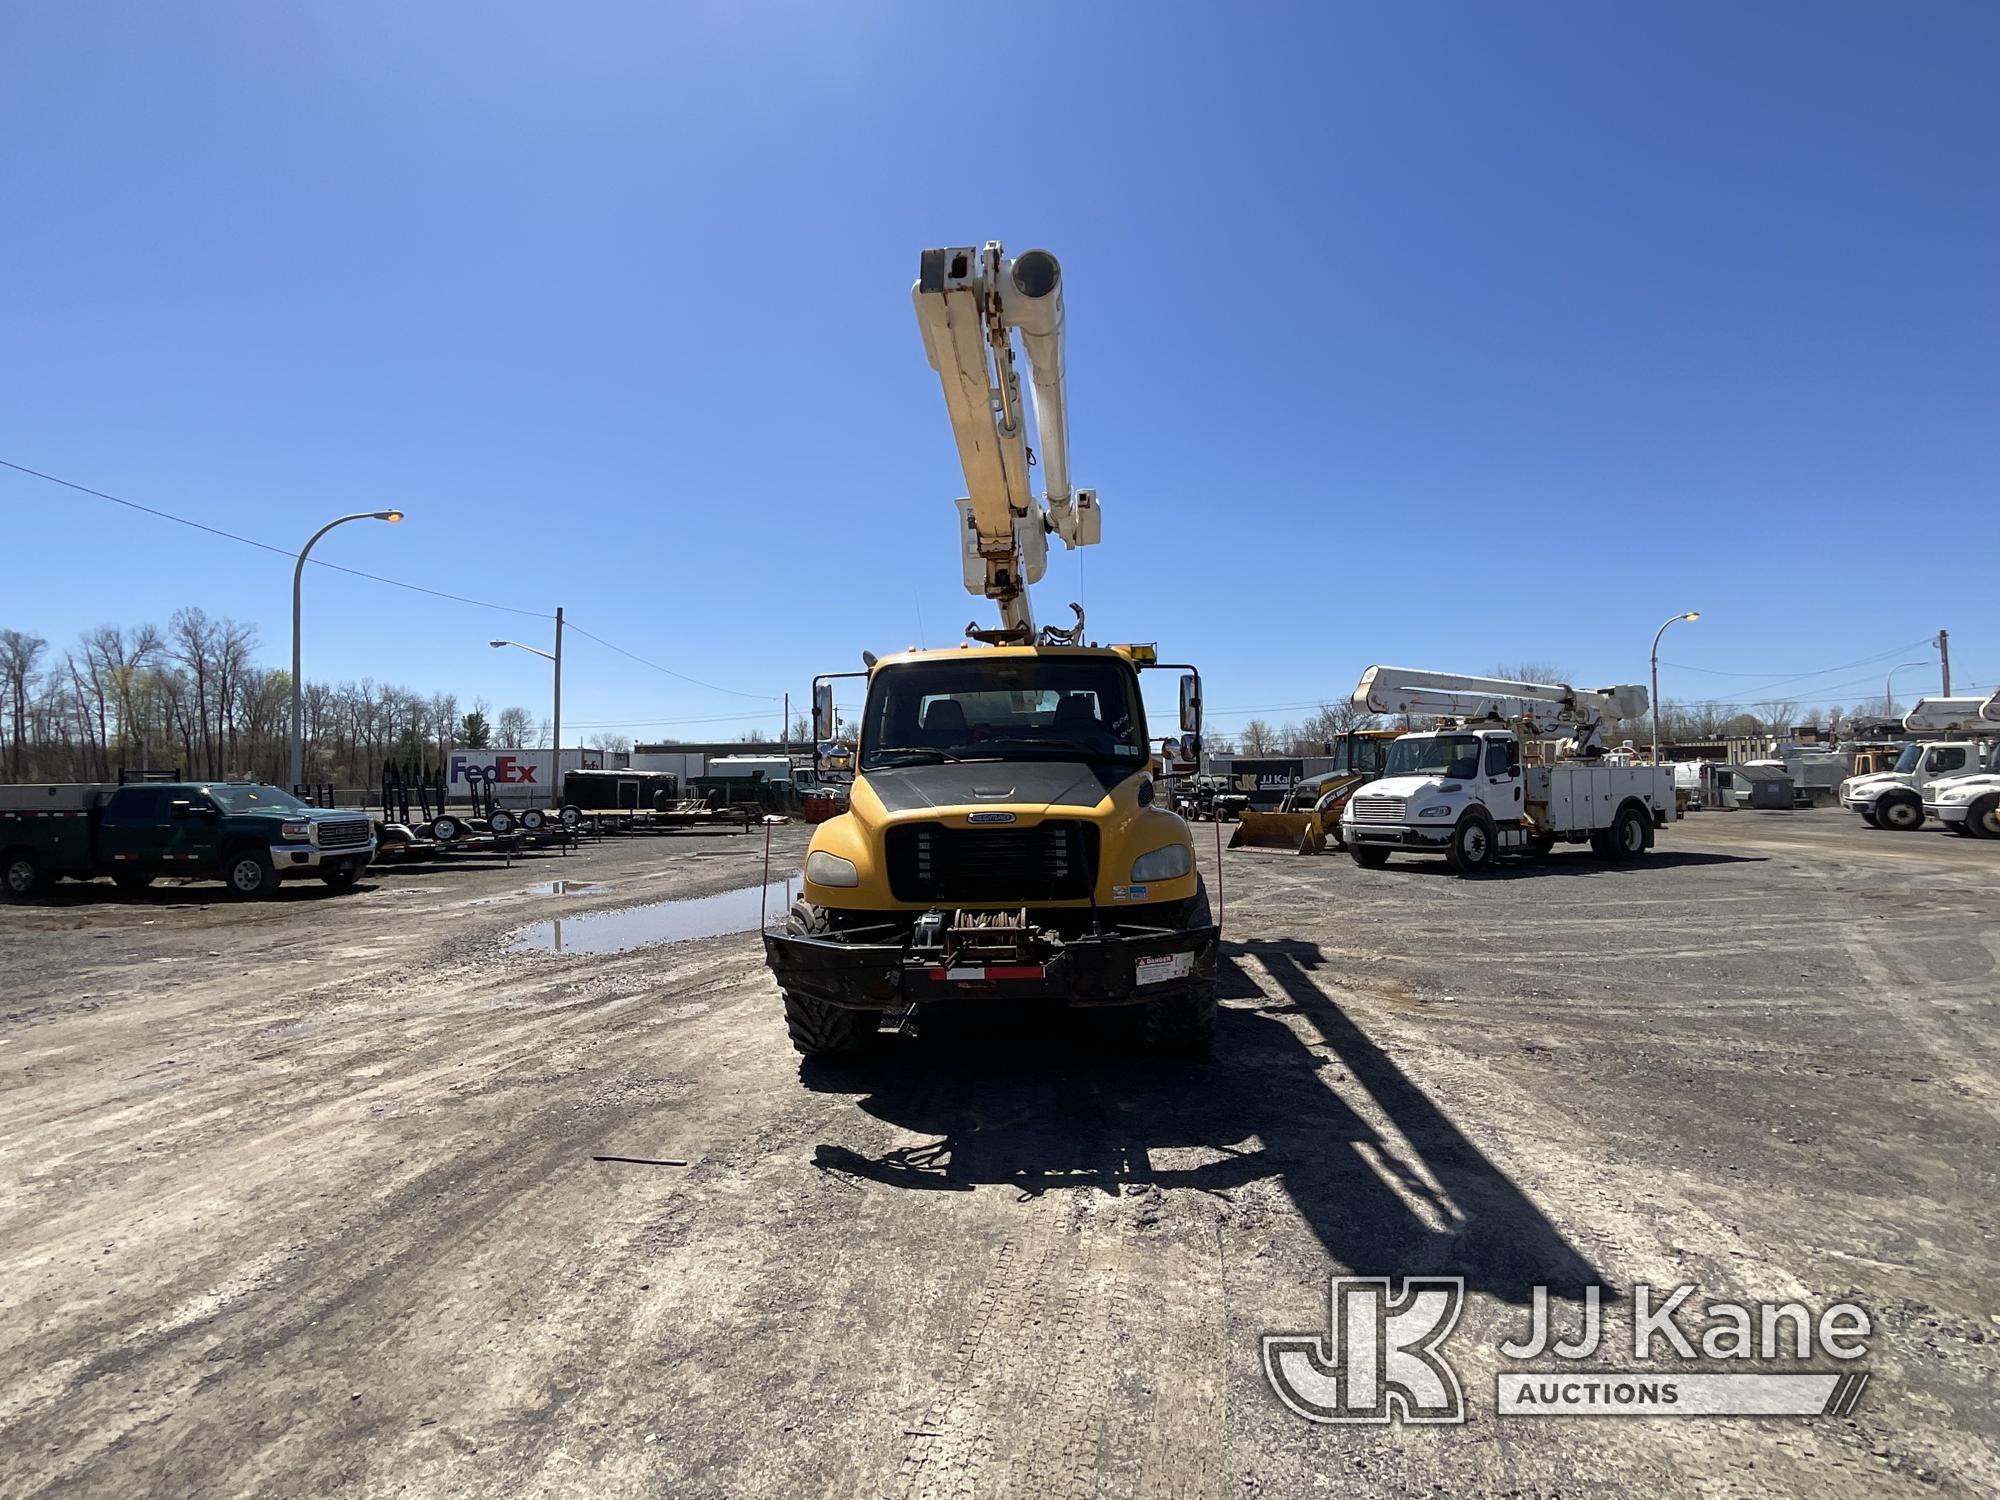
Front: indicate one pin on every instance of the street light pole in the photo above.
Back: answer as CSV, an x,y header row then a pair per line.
x,y
1889,687
555,725
298,686
1693,614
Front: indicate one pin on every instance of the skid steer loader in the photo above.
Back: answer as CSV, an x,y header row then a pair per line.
x,y
1309,815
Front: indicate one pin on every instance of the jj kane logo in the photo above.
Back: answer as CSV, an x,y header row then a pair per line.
x,y
1382,1358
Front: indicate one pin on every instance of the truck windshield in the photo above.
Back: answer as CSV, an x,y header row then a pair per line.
x,y
253,798
1005,708
1907,761
1434,755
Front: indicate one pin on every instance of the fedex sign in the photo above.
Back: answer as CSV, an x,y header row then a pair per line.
x,y
471,768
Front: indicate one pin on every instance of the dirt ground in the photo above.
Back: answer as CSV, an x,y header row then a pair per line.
x,y
300,1197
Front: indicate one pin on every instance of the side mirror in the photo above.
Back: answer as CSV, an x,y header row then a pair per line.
x,y
1190,748
822,711
1190,703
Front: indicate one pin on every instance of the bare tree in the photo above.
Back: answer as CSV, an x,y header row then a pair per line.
x,y
1534,671
513,726
19,652
1258,738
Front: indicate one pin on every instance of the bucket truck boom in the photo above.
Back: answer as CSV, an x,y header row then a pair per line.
x,y
1537,708
970,303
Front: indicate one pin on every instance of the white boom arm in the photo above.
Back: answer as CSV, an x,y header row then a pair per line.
x,y
1534,708
1955,715
969,304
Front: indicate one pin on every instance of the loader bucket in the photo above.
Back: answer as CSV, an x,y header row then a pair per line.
x,y
1300,832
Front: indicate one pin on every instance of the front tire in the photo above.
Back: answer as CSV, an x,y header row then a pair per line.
x,y
817,1028
1183,1024
1982,819
250,875
1471,849
1368,856
340,877
132,882
1902,812
1868,817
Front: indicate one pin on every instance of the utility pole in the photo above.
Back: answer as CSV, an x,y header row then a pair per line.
x,y
555,729
785,730
1944,659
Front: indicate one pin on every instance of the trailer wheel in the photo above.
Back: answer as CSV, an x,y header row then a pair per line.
x,y
1471,846
250,874
444,830
501,823
25,876
1982,819
1627,836
534,819
1368,856
571,817
1901,811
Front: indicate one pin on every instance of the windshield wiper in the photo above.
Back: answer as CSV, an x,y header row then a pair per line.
x,y
910,755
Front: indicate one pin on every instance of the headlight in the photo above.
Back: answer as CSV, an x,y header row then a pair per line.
x,y
297,833
830,869
1438,810
1169,863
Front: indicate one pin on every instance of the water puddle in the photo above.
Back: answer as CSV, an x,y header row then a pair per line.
x,y
661,922
567,888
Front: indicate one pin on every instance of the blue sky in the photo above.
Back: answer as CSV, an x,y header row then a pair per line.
x,y
1439,334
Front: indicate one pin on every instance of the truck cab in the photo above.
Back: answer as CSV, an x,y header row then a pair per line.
x,y
1004,840
1896,798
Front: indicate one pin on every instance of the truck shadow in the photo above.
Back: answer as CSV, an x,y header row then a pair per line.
x,y
1575,863
195,893
1286,1098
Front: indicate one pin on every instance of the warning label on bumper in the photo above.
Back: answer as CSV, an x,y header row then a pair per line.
x,y
1162,967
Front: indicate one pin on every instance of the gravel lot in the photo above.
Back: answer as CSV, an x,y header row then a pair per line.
x,y
300,1198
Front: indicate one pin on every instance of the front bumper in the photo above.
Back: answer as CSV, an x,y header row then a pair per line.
x,y
1124,966
1858,804
1947,812
288,859
1398,835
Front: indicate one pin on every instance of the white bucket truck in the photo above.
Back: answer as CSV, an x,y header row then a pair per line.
x,y
1966,748
1466,788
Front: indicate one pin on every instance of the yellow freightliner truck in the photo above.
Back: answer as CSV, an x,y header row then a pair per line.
x,y
1005,843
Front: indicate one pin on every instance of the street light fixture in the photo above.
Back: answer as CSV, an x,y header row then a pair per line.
x,y
1889,686
298,685
1693,614
555,726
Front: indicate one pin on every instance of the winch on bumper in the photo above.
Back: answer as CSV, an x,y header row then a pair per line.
x,y
970,956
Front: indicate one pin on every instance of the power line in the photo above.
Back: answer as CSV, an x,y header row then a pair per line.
x,y
416,588
669,671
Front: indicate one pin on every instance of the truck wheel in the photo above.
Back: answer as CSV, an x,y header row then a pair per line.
x,y
817,1028
1471,846
1982,819
25,876
250,874
340,877
1368,856
1183,1024
131,882
1626,838
1902,812
1868,817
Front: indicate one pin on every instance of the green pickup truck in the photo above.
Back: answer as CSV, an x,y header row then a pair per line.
x,y
248,836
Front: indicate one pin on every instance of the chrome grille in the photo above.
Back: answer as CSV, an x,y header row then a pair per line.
x,y
341,833
1379,809
1053,861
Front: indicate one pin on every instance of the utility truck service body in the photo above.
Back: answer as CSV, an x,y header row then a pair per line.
x,y
1004,840
1466,789
249,836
